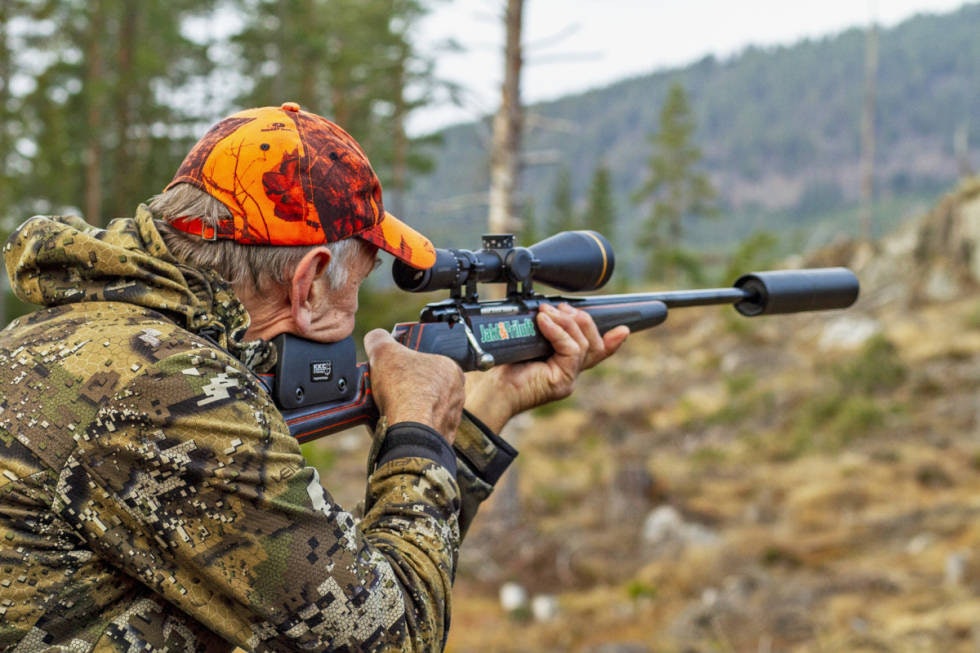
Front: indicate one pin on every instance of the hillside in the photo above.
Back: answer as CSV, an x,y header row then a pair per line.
x,y
782,484
778,127
801,483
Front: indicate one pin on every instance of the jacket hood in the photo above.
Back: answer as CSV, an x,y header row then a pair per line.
x,y
63,260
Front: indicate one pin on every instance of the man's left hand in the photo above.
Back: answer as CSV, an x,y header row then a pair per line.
x,y
506,390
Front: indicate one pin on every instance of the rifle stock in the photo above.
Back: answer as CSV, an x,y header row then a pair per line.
x,y
321,389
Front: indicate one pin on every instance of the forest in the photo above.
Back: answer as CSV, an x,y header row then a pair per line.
x,y
101,100
95,125
779,129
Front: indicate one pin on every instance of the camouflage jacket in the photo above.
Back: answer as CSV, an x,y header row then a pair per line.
x,y
151,497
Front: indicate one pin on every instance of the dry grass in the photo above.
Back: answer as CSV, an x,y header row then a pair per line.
x,y
842,490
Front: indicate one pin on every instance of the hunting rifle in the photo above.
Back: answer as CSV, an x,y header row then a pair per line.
x,y
321,389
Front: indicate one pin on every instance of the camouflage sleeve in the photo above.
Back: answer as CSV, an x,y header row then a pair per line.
x,y
191,483
482,457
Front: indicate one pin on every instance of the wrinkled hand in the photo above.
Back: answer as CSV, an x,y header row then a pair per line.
x,y
504,391
409,386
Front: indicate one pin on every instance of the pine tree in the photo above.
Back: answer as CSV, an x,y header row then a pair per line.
x,y
103,134
600,212
530,232
562,213
351,60
675,188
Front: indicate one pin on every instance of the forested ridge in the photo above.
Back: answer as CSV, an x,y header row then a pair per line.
x,y
779,130
100,102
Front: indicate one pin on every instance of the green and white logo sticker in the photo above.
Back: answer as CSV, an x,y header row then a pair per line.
x,y
507,329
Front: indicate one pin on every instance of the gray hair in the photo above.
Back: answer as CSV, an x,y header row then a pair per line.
x,y
248,266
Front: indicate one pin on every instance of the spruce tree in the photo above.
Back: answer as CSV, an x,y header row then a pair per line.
x,y
353,61
675,189
561,216
100,128
600,212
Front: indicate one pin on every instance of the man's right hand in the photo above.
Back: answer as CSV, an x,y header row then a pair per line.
x,y
410,386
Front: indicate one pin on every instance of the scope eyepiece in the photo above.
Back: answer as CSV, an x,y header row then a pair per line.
x,y
571,261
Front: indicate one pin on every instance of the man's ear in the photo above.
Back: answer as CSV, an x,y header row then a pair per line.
x,y
303,286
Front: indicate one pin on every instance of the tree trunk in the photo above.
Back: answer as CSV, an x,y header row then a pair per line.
x,y
868,133
6,196
127,164
507,126
95,82
400,144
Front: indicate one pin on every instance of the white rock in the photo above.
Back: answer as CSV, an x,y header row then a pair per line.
x,y
665,525
513,597
662,525
848,333
956,568
544,607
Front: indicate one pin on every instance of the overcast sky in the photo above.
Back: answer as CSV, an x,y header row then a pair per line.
x,y
576,45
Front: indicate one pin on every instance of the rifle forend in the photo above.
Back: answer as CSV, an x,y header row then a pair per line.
x,y
320,389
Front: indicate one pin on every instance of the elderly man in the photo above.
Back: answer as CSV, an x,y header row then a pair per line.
x,y
151,497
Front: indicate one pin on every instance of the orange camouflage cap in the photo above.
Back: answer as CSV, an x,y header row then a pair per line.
x,y
290,177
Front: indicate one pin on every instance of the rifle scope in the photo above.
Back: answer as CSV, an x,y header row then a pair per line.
x,y
570,260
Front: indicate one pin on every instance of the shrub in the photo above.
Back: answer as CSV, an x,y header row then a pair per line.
x,y
877,368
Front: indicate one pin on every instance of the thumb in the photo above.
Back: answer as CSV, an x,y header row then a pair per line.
x,y
375,339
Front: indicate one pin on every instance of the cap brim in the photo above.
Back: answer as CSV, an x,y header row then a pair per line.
x,y
401,241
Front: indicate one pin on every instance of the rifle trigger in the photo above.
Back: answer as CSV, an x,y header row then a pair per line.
x,y
484,360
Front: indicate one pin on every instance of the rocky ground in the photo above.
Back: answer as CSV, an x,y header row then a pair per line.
x,y
788,483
